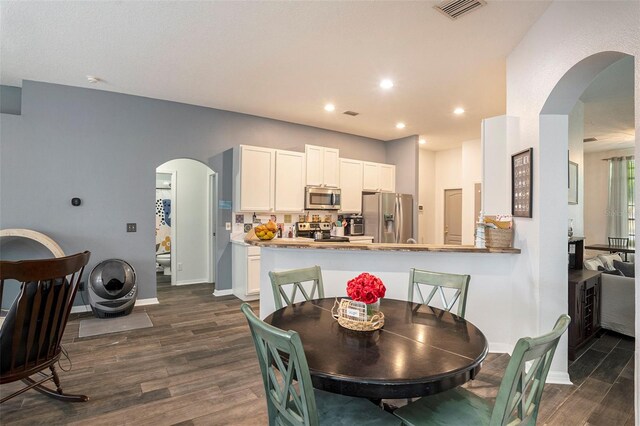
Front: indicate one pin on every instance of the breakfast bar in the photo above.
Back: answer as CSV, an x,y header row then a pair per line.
x,y
491,273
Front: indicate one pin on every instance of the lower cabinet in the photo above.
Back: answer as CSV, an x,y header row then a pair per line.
x,y
584,307
245,260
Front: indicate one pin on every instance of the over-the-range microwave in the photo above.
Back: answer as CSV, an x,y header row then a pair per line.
x,y
321,198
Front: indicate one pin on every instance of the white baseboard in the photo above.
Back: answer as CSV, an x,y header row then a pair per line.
x,y
249,297
149,301
220,293
78,309
500,348
189,282
559,378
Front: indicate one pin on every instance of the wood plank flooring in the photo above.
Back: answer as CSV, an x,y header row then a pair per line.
x,y
197,366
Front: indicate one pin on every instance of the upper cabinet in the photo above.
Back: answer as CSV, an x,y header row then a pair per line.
x,y
323,166
255,173
290,181
378,177
387,177
270,180
351,185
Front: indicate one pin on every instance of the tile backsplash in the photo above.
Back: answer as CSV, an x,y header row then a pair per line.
x,y
288,220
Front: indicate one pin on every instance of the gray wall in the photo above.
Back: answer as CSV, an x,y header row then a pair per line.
x,y
404,154
10,100
104,147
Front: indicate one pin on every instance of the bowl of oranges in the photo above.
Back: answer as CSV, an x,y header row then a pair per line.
x,y
266,231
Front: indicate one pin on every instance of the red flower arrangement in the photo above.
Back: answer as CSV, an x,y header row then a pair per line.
x,y
366,288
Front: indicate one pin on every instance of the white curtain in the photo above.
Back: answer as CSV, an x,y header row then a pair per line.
x,y
617,213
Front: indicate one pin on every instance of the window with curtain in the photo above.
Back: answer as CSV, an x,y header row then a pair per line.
x,y
621,212
631,200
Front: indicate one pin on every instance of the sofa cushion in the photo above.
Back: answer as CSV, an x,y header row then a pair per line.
x,y
628,269
607,260
612,272
592,264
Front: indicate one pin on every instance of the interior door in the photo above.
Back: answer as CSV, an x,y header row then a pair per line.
x,y
453,216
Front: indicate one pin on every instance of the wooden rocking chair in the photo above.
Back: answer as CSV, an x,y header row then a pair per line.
x,y
32,331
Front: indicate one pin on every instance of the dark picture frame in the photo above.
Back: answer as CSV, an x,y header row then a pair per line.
x,y
573,182
522,183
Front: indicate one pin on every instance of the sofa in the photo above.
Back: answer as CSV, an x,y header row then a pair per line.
x,y
618,294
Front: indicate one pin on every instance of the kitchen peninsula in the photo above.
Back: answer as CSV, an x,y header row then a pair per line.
x,y
491,270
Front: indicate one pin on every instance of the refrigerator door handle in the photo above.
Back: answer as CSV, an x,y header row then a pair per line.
x,y
398,218
402,224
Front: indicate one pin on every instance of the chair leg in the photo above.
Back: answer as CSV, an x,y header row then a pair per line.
x,y
57,394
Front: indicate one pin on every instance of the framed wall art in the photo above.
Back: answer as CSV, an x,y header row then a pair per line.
x,y
573,182
522,183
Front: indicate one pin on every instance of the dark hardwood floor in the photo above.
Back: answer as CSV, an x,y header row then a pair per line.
x,y
197,365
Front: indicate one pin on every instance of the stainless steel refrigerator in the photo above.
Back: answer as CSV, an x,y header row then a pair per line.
x,y
388,217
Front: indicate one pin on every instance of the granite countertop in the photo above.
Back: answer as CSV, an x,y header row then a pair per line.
x,y
307,243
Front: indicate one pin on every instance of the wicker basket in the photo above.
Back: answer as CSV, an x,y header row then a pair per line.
x,y
341,313
498,238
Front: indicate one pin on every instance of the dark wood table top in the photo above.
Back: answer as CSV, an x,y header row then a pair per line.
x,y
420,351
607,247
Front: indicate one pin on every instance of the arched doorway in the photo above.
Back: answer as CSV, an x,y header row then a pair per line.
x,y
554,144
185,220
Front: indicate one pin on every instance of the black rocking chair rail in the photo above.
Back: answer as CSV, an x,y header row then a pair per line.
x,y
31,335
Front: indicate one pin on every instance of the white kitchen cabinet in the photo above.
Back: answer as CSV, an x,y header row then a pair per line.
x,y
253,275
290,181
332,167
370,176
245,261
351,176
378,177
387,177
255,170
323,166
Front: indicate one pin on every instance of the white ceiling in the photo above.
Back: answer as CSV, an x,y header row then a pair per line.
x,y
282,60
609,108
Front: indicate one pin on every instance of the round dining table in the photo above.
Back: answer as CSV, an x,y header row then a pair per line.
x,y
420,351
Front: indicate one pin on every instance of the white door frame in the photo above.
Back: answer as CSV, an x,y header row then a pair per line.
x,y
174,222
212,224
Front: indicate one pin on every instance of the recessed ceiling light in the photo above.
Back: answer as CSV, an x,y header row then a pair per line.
x,y
386,83
330,107
458,111
422,141
400,126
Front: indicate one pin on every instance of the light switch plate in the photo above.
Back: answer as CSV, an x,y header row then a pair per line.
x,y
227,226
131,227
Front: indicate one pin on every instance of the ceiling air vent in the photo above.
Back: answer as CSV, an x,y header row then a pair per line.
x,y
456,8
351,113
589,140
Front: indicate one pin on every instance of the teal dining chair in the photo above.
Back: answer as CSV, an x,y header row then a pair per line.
x,y
519,395
419,279
291,399
296,278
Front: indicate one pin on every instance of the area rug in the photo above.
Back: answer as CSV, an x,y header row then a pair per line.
x,y
97,326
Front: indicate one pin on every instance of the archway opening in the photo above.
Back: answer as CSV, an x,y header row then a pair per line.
x,y
573,175
185,239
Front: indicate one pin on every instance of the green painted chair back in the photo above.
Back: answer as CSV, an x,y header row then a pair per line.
x,y
295,278
518,399
419,280
288,388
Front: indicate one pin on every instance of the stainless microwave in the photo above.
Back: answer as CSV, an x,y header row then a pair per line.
x,y
320,198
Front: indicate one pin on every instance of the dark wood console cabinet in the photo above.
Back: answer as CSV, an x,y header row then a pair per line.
x,y
584,307
576,252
